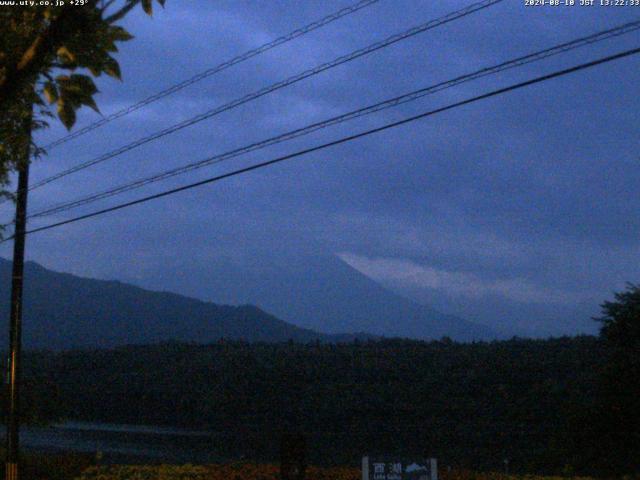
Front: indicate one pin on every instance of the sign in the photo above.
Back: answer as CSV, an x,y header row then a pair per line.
x,y
388,468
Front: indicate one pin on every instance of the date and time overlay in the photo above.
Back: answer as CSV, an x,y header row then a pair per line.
x,y
526,3
581,3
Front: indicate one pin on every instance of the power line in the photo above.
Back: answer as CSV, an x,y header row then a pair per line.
x,y
217,69
399,100
276,86
349,138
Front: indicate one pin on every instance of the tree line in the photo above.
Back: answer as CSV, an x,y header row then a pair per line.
x,y
468,404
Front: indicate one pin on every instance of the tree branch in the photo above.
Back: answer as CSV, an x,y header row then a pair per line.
x,y
122,12
106,5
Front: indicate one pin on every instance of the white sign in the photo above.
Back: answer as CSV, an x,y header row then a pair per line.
x,y
389,468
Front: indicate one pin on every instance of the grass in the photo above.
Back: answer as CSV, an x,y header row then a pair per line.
x,y
82,467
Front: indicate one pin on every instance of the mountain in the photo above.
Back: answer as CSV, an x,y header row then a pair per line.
x,y
64,311
319,292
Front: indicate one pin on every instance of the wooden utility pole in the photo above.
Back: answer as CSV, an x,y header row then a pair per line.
x,y
15,321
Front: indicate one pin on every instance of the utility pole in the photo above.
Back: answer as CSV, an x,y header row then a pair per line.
x,y
15,322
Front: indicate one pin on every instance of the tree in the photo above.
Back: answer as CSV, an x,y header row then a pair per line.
x,y
45,53
41,50
620,382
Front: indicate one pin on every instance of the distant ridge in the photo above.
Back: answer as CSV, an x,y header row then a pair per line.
x,y
319,291
63,311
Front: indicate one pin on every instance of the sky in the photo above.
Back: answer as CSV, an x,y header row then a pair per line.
x,y
520,210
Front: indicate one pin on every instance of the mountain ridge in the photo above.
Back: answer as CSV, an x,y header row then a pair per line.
x,y
63,310
318,291
58,316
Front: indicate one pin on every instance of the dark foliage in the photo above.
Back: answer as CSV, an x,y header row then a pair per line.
x,y
468,404
617,430
43,49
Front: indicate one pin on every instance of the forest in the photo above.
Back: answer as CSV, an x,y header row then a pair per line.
x,y
471,405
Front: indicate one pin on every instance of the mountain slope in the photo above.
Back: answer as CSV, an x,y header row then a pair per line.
x,y
319,292
64,311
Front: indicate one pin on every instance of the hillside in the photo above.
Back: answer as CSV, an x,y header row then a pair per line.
x,y
64,311
324,295
319,292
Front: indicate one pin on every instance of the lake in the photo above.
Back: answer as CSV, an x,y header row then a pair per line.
x,y
153,444
132,442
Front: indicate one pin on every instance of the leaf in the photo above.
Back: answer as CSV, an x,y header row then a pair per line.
x,y
119,34
112,68
110,46
65,55
147,6
95,70
67,113
84,83
90,102
50,92
77,90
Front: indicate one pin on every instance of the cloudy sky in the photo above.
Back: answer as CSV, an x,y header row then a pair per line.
x,y
523,206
